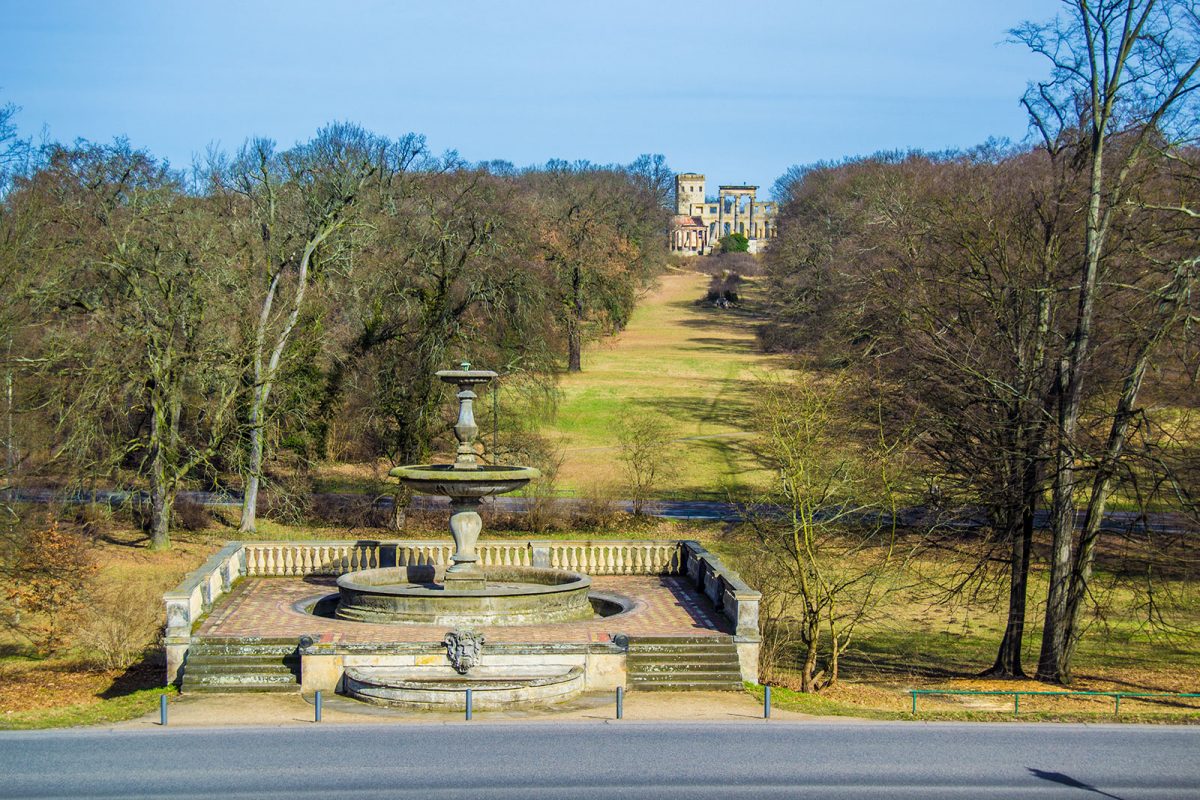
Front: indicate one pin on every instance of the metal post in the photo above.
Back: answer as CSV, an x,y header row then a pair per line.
x,y
1117,710
620,702
766,702
914,697
162,710
317,707
468,703
1016,703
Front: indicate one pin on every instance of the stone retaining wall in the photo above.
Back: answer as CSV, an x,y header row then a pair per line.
x,y
195,596
732,596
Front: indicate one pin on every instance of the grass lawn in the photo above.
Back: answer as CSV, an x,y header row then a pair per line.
x,y
690,365
916,639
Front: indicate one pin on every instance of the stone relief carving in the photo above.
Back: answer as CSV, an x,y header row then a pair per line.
x,y
463,647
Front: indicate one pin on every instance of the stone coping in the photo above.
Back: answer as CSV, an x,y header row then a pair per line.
x,y
449,473
534,580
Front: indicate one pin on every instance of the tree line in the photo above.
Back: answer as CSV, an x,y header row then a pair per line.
x,y
267,307
1026,314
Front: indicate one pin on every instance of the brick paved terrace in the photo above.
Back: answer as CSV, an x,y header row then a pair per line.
x,y
274,607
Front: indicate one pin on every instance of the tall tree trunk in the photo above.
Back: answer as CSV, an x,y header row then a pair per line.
x,y
10,442
1102,483
1031,437
575,324
1008,656
1062,526
162,496
812,622
251,483
399,516
264,377
1071,371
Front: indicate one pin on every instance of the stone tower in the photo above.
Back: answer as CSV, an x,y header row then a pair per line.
x,y
689,192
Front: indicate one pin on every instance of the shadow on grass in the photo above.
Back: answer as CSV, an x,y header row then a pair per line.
x,y
144,674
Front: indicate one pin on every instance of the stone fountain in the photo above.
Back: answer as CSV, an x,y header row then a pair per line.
x,y
466,593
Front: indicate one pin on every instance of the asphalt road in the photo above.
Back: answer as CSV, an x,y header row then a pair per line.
x,y
486,761
711,510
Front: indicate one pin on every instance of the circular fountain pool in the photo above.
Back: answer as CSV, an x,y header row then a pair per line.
x,y
510,596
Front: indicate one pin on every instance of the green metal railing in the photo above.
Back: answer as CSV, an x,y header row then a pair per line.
x,y
1017,694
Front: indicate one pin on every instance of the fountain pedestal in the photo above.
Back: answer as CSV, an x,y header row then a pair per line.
x,y
465,526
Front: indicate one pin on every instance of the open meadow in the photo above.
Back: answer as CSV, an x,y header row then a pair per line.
x,y
685,363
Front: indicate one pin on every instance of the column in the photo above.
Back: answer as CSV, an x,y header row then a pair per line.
x,y
720,214
752,234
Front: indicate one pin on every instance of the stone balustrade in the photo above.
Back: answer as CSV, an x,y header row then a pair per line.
x,y
287,559
732,596
193,598
610,557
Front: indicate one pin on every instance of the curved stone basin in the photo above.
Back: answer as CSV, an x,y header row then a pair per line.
x,y
511,596
491,687
449,481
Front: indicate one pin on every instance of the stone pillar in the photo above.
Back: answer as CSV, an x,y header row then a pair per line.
x,y
752,234
320,671
720,215
737,211
177,639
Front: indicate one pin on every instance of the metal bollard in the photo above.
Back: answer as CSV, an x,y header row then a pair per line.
x,y
162,710
766,702
620,702
468,703
317,707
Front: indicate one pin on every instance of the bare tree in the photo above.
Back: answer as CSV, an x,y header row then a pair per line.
x,y
145,375
646,455
827,563
299,201
17,230
1121,91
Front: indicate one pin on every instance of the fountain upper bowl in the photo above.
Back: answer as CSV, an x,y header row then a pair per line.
x,y
448,481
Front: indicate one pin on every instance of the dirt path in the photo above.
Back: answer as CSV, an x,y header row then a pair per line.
x,y
687,364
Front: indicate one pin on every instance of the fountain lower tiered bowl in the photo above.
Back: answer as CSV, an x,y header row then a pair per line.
x,y
443,688
511,596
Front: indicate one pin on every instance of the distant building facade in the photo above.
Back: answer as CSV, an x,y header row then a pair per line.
x,y
699,223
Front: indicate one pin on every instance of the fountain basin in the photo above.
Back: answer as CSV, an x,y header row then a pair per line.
x,y
442,687
510,596
451,481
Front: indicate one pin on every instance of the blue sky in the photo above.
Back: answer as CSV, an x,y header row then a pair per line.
x,y
738,91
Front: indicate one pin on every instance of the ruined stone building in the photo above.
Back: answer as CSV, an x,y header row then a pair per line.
x,y
700,222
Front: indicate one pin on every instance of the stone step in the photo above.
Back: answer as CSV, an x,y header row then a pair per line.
x,y
686,686
247,678
240,669
687,670
208,648
242,664
685,673
252,640
642,641
683,663
637,658
655,644
230,688
269,659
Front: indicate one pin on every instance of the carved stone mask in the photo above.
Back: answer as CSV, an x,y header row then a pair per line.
x,y
463,648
